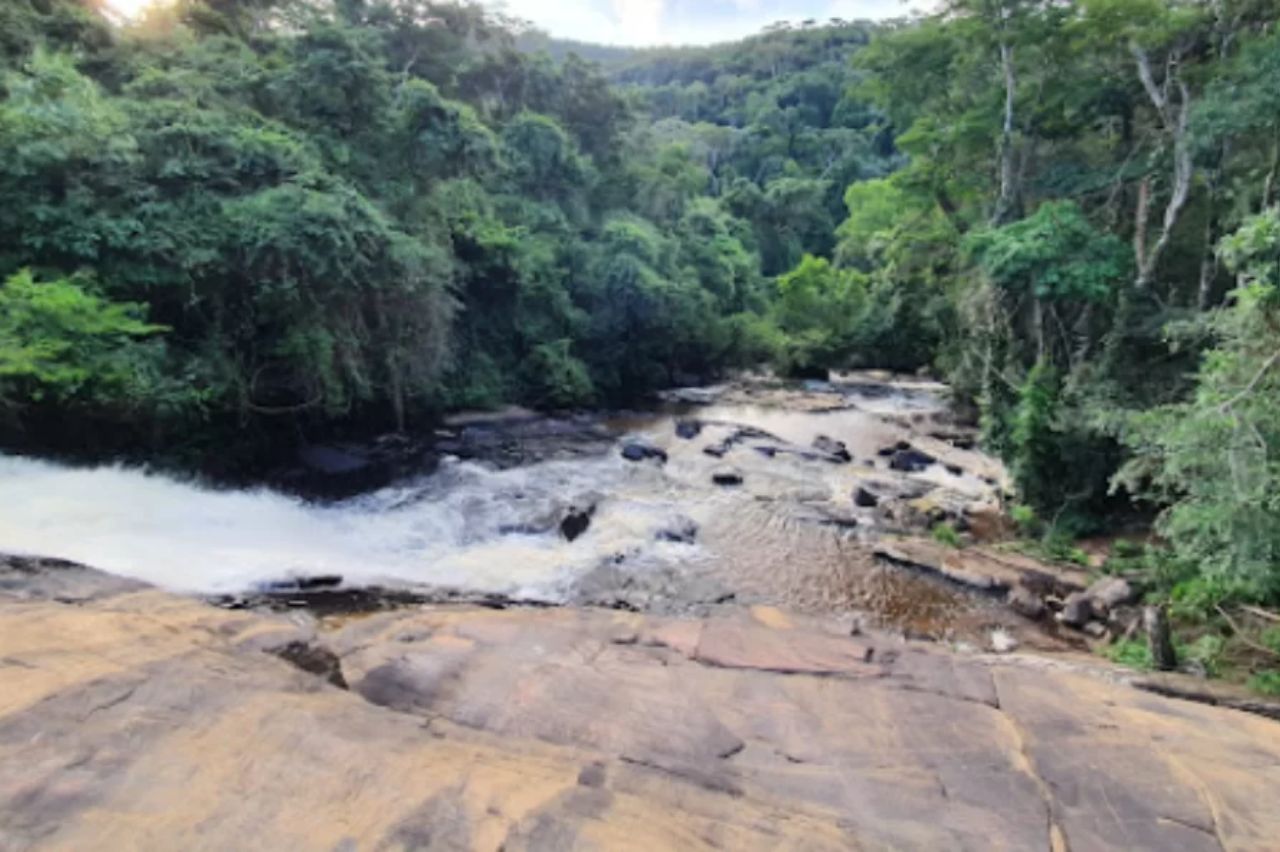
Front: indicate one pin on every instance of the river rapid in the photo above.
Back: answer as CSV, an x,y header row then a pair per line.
x,y
755,502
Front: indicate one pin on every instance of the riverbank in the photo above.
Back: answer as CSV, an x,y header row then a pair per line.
x,y
135,718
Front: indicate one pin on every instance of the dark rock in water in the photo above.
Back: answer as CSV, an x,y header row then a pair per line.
x,y
745,432
324,581
1026,603
304,584
332,461
836,449
688,429
901,489
911,460
333,473
864,498
719,450
955,470
1077,610
638,450
680,531
726,477
576,523
887,452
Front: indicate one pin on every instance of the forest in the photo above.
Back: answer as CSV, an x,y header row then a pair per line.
x,y
234,221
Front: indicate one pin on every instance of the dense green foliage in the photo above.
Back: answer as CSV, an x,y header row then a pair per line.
x,y
62,342
282,218
1089,203
356,215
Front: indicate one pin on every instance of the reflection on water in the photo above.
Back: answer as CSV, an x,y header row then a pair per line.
x,y
789,534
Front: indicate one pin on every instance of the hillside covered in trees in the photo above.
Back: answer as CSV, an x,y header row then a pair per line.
x,y
236,221
249,218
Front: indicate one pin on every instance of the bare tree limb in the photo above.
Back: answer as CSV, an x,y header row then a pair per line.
x,y
1175,119
1253,383
1261,613
1235,628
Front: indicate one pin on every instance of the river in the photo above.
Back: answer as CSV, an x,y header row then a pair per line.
x,y
662,535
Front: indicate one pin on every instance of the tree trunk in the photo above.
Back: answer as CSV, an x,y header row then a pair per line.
x,y
1209,258
1141,215
1269,185
1006,204
1174,118
1155,620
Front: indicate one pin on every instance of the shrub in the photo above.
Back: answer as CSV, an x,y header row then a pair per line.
x,y
1266,682
946,534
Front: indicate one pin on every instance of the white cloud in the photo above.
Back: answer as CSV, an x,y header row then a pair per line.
x,y
855,10
575,19
640,20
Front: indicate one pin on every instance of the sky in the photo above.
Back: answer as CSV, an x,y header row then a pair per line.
x,y
653,22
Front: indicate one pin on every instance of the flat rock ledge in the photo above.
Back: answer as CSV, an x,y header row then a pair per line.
x,y
135,719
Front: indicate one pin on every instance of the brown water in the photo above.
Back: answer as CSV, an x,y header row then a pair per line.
x,y
790,534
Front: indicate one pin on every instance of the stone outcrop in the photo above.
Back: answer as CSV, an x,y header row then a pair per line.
x,y
984,568
130,718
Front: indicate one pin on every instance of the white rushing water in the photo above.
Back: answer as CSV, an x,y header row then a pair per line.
x,y
452,529
790,531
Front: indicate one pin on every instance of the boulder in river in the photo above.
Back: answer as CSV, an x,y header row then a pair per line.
x,y
889,452
688,429
679,531
716,451
911,460
576,522
726,477
833,448
864,498
303,584
638,450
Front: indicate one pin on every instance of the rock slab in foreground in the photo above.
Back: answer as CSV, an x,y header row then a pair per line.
x,y
133,719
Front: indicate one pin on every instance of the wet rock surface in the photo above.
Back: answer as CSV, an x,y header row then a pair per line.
x,y
638,449
131,718
516,438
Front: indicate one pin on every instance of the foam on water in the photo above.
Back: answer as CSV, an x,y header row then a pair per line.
x,y
452,529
